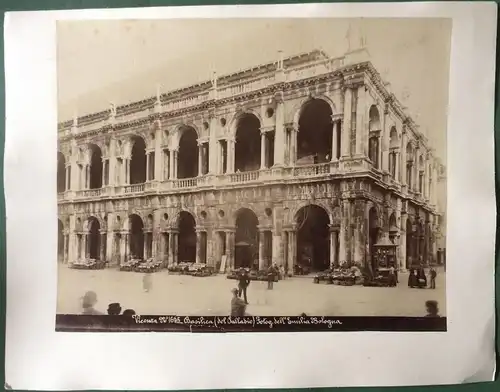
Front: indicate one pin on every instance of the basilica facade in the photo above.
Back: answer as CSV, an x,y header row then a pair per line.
x,y
306,159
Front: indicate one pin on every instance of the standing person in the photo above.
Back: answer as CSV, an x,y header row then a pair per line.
x,y
421,278
433,275
244,281
88,302
146,282
238,306
271,273
412,279
393,279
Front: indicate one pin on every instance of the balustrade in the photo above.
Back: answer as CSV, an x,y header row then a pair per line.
x,y
134,188
311,170
186,183
244,176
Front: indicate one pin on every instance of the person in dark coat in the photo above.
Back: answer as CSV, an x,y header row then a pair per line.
x,y
244,281
412,279
271,273
421,278
433,275
238,306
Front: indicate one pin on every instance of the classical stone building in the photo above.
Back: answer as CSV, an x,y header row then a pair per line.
x,y
308,157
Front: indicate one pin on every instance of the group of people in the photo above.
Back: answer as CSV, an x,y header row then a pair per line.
x,y
89,300
418,278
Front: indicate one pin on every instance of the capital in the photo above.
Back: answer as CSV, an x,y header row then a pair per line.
x,y
336,117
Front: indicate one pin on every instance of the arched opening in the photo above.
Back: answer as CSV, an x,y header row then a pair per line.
x,y
393,229
95,181
393,151
136,229
373,233
409,165
61,172
409,244
313,250
138,161
374,135
187,238
94,244
60,240
248,144
188,153
247,240
314,140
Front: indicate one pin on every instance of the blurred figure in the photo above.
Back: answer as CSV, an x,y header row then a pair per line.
x,y
238,306
114,309
146,282
88,302
432,308
271,273
421,278
129,312
433,275
412,279
244,282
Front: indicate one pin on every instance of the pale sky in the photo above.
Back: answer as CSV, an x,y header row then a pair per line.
x,y
124,61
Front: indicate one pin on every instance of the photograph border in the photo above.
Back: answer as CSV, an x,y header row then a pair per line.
x,y
485,164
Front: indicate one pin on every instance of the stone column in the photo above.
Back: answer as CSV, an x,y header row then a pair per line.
x,y
127,171
361,127
402,172
283,255
148,156
213,146
65,247
87,176
333,246
346,134
102,245
171,247
277,248
175,154
72,248
123,247
292,259
103,174
230,155
397,165
344,232
262,260
230,248
335,129
67,177
198,247
293,146
262,149
279,137
200,158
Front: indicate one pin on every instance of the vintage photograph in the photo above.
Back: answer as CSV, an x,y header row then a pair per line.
x,y
272,171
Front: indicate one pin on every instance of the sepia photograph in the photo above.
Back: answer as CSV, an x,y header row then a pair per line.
x,y
226,190
293,169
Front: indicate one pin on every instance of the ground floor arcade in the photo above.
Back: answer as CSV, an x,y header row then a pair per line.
x,y
315,238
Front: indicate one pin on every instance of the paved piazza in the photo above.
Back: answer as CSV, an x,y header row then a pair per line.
x,y
187,295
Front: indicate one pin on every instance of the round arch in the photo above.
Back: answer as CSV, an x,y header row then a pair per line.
x,y
188,152
247,153
246,238
314,139
95,180
137,160
300,107
61,172
94,239
233,125
374,119
136,230
313,238
187,237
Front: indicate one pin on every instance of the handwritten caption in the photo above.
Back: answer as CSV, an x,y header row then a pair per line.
x,y
248,321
